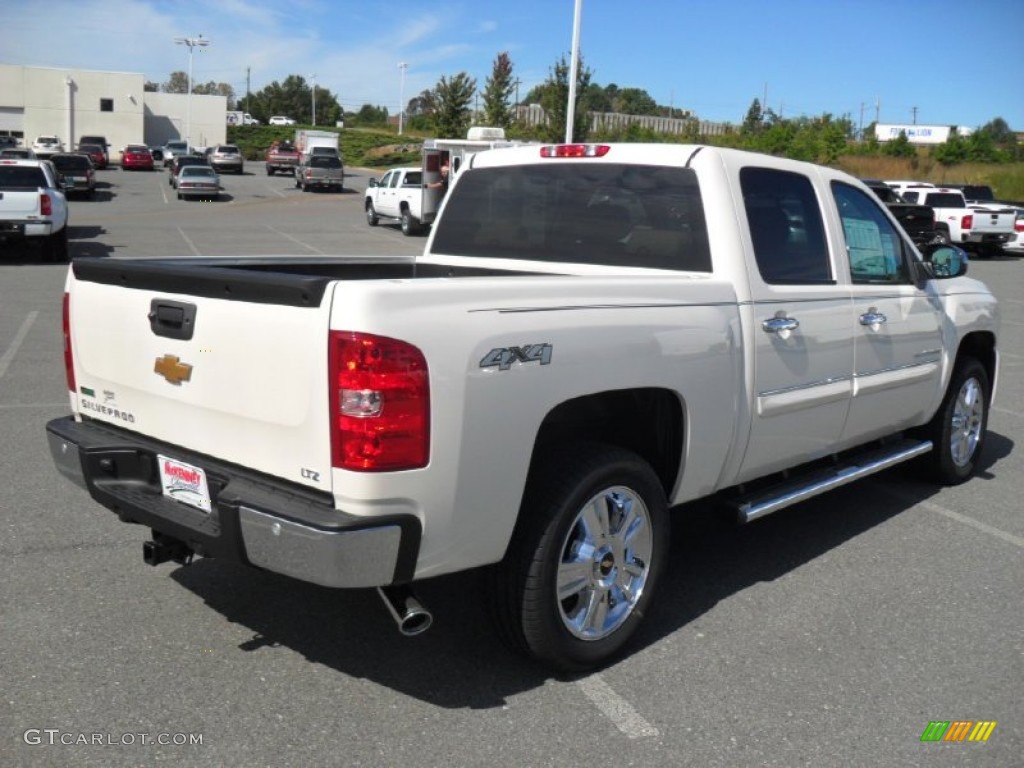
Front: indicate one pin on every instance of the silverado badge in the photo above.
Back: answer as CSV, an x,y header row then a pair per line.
x,y
172,369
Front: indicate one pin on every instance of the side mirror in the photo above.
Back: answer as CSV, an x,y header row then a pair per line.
x,y
372,183
946,260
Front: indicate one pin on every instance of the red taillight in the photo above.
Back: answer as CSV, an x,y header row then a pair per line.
x,y
380,403
45,204
967,221
574,150
1019,225
69,364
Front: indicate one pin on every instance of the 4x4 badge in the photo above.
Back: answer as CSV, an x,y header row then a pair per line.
x,y
172,369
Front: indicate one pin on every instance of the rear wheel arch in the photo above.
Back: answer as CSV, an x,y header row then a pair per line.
x,y
647,421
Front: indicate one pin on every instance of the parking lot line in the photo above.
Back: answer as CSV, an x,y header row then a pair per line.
x,y
190,243
295,240
615,708
19,337
276,191
960,518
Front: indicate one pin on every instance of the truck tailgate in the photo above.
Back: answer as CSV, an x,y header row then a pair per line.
x,y
18,203
230,364
987,220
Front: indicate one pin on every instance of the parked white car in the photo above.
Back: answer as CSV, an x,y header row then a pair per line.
x,y
280,120
45,146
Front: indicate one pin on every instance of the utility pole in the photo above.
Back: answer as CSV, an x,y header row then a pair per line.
x,y
248,71
312,79
402,66
913,111
516,84
878,109
860,128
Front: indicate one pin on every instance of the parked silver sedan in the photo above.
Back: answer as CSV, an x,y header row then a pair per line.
x,y
198,181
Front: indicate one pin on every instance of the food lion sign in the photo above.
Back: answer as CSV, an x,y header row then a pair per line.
x,y
917,134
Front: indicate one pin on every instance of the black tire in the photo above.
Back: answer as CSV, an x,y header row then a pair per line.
x,y
959,427
55,247
371,214
270,171
579,505
409,224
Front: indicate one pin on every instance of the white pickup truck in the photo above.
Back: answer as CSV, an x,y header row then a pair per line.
x,y
983,228
397,195
593,335
33,207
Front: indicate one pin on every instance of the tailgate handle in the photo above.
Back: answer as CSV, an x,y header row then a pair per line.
x,y
172,319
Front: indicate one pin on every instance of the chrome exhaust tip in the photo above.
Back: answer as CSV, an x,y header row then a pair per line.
x,y
406,609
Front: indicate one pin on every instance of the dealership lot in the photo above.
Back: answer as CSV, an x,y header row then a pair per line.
x,y
829,634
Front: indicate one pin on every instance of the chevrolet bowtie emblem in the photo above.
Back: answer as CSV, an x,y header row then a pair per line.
x,y
172,369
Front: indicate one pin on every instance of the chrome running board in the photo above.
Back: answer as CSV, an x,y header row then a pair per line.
x,y
818,482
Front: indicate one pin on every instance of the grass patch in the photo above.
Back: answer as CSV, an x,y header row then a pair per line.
x,y
359,147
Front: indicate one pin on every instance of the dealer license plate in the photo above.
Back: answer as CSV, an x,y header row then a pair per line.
x,y
185,483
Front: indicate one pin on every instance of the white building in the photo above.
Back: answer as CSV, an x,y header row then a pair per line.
x,y
917,134
72,102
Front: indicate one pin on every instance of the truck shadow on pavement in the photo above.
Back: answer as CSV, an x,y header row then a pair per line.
x,y
460,663
85,242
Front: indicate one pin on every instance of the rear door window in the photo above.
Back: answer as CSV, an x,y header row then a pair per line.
x,y
786,227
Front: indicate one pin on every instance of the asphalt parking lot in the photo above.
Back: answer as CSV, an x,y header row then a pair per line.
x,y
830,634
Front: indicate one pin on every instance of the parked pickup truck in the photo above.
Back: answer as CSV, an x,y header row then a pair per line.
x,y
594,334
282,156
320,171
33,207
982,229
397,195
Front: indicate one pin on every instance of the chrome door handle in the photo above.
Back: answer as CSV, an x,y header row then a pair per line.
x,y
780,325
873,319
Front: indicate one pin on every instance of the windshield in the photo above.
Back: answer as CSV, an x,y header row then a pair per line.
x,y
584,213
197,170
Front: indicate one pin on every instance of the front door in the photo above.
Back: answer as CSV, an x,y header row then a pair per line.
x,y
897,325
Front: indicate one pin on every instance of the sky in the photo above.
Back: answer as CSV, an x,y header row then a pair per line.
x,y
937,62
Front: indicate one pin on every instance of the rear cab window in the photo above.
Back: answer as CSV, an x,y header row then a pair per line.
x,y
578,212
786,227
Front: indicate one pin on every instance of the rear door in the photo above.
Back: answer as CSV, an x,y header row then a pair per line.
x,y
801,318
227,362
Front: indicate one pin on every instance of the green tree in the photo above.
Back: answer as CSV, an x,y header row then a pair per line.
x,y
634,101
498,93
452,98
150,87
952,151
753,122
369,115
176,83
554,98
216,89
899,147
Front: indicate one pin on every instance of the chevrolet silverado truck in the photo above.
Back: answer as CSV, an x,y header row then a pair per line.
x,y
593,335
33,208
282,156
320,171
397,195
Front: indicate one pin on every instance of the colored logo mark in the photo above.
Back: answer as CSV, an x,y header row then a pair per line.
x,y
958,730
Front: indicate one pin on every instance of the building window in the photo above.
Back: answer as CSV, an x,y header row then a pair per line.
x,y
106,105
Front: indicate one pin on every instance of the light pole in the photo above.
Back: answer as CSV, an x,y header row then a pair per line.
x,y
191,42
312,79
402,66
574,65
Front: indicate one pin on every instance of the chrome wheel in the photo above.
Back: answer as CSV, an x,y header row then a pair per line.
x,y
605,562
967,422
